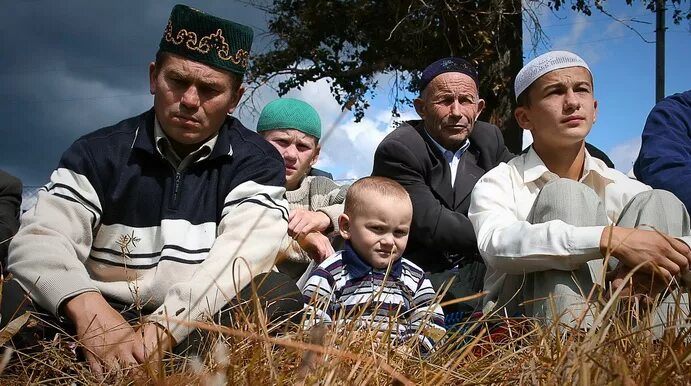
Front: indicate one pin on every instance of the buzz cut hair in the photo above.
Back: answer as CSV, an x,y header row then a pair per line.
x,y
359,196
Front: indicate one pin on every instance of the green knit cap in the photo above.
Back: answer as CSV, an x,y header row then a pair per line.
x,y
207,39
287,113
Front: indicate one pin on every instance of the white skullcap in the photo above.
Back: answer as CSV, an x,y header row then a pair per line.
x,y
550,61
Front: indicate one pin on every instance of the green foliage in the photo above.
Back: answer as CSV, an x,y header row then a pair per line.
x,y
352,41
586,7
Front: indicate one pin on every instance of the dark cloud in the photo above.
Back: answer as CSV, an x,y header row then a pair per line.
x,y
70,67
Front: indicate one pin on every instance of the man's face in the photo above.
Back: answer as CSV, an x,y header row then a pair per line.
x,y
299,151
191,99
562,108
449,106
379,229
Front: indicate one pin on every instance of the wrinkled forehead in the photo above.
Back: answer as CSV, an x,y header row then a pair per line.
x,y
451,82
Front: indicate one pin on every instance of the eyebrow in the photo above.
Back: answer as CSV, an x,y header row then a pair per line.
x,y
203,82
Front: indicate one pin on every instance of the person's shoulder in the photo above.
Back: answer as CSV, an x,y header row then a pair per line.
x,y
485,133
680,101
405,133
9,183
411,269
246,142
110,143
332,265
319,183
124,130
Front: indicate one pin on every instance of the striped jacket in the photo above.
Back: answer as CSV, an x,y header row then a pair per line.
x,y
116,217
345,287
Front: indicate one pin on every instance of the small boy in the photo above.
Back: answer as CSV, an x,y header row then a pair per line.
x,y
368,281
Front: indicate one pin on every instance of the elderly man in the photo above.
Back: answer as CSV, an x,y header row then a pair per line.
x,y
293,127
545,220
166,215
438,160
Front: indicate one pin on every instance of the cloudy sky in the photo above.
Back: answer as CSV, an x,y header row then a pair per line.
x,y
69,67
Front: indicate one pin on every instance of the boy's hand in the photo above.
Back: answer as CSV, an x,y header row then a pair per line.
x,y
635,246
317,246
641,285
302,221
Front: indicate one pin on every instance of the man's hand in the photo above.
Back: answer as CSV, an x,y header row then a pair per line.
x,y
635,246
108,340
643,286
157,341
317,246
302,221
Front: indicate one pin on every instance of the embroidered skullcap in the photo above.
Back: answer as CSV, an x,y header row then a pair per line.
x,y
450,64
208,39
288,113
550,61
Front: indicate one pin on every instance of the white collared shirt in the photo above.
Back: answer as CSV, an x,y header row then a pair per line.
x,y
502,200
452,158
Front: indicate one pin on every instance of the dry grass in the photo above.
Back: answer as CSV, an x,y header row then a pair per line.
x,y
621,351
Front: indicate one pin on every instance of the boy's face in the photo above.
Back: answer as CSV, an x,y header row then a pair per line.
x,y
379,230
300,152
562,108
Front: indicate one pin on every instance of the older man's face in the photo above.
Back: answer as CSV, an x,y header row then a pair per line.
x,y
449,106
191,100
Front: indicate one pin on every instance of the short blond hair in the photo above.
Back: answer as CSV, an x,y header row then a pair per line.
x,y
359,193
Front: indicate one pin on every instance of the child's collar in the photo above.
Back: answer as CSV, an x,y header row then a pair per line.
x,y
358,268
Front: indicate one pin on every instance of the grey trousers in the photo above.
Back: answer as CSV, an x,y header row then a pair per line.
x,y
562,295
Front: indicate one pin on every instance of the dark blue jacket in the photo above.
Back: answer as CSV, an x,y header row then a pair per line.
x,y
664,161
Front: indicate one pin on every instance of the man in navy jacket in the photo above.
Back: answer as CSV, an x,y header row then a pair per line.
x,y
664,161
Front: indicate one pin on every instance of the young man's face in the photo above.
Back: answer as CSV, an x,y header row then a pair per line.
x,y
191,99
449,106
562,108
299,151
379,229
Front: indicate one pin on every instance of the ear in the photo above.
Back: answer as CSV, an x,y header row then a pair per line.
x,y
594,110
315,157
235,99
152,78
522,117
344,226
419,107
480,107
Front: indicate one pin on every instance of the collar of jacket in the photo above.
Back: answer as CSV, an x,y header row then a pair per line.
x,y
144,136
358,268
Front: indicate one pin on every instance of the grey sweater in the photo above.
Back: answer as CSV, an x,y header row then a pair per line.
x,y
318,194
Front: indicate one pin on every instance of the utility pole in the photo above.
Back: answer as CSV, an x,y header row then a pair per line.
x,y
660,51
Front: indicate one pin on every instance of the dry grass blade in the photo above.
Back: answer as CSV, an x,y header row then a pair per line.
x,y
13,327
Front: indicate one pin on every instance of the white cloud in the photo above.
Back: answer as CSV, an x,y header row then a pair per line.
x,y
624,154
347,146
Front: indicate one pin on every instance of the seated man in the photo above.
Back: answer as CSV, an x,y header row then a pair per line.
x,y
160,220
542,219
438,160
10,201
664,161
293,127
369,280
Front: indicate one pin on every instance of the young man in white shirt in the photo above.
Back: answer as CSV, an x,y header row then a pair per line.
x,y
545,219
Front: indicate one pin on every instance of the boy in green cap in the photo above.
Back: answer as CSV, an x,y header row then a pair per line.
x,y
293,127
153,224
